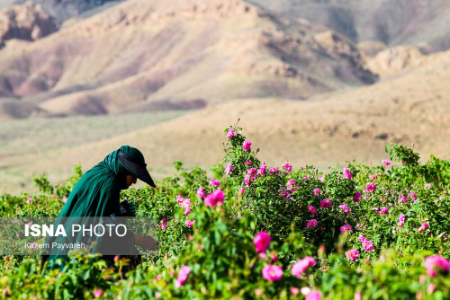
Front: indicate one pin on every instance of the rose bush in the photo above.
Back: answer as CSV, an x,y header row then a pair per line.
x,y
246,230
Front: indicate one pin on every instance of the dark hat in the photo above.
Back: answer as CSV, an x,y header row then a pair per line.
x,y
133,161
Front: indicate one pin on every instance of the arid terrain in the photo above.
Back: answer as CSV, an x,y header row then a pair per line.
x,y
169,77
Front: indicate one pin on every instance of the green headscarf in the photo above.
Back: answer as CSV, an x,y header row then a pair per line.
x,y
96,195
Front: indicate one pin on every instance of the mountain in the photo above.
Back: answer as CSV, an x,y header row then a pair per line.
x,y
392,22
326,130
63,10
26,22
143,54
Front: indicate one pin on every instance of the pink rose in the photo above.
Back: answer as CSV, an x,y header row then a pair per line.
x,y
189,223
413,195
214,182
229,169
384,211
346,227
371,187
230,133
386,162
314,295
287,167
312,210
427,186
367,245
345,208
405,200
98,293
435,264
302,265
291,185
216,198
272,272
347,173
423,227
262,241
357,196
352,254
182,276
316,191
312,224
201,192
247,145
325,203
274,170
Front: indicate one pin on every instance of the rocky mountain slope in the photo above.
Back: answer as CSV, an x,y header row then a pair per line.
x,y
26,22
188,53
62,10
393,22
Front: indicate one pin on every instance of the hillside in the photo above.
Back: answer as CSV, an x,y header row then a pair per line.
x,y
324,131
173,53
66,9
392,22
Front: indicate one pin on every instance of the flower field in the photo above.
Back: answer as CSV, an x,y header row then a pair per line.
x,y
252,231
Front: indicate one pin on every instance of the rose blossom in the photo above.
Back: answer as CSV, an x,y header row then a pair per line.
x,y
290,186
248,163
357,196
316,191
314,295
216,198
302,265
371,187
247,145
347,173
272,272
435,264
346,227
345,208
405,200
427,186
229,169
312,224
262,241
262,170
294,291
230,133
362,239
189,223
352,254
312,210
287,167
241,190
214,182
413,195
373,177
274,170
325,203
386,162
367,245
247,179
401,220
201,192
182,276
423,227
322,179
98,293
384,210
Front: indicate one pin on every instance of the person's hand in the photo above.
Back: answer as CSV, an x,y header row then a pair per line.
x,y
146,242
130,208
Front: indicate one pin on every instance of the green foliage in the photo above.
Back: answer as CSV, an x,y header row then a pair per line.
x,y
217,242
